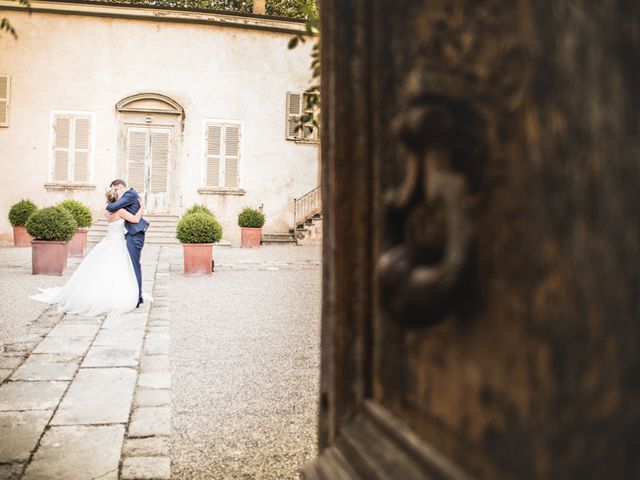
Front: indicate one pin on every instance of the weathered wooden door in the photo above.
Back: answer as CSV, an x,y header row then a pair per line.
x,y
481,183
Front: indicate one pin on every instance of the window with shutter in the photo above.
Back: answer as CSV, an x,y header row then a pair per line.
x,y
71,148
4,100
294,114
222,155
213,155
231,156
296,108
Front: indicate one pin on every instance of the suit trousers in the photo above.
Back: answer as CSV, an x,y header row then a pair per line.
x,y
135,242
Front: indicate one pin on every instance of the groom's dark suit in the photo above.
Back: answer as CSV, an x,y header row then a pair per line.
x,y
135,231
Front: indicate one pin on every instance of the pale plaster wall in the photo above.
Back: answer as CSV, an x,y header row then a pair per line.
x,y
67,62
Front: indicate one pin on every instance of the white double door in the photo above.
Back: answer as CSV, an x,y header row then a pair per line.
x,y
149,160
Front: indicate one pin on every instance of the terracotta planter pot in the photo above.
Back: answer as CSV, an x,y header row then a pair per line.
x,y
197,258
49,258
78,243
21,237
250,237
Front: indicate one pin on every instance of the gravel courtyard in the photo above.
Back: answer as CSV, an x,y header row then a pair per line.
x,y
245,364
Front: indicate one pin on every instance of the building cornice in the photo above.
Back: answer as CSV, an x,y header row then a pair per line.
x,y
148,13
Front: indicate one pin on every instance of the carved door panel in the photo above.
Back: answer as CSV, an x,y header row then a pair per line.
x,y
482,243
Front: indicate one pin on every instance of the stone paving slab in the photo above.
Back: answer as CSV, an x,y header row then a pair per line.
x,y
125,321
146,447
71,345
156,468
74,330
31,395
155,380
98,396
78,453
45,371
10,471
155,363
20,432
120,337
149,421
152,397
111,356
54,358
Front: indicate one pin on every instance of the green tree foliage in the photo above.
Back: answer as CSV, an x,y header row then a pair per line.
x,y
312,118
5,25
278,8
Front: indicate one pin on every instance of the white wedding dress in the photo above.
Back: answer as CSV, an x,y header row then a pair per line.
x,y
103,283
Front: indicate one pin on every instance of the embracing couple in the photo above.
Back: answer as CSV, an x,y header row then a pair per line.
x,y
109,279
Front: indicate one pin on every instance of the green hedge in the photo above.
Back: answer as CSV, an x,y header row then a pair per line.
x,y
53,224
251,218
20,212
198,209
80,212
198,228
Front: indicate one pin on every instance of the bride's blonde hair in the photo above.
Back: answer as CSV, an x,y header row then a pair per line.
x,y
111,194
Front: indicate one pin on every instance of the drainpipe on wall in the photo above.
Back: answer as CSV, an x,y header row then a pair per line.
x,y
259,7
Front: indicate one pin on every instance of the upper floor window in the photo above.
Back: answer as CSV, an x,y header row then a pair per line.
x,y
296,129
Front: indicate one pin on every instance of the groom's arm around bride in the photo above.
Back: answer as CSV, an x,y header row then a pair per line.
x,y
129,200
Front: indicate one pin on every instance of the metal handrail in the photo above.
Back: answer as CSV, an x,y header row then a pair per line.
x,y
307,206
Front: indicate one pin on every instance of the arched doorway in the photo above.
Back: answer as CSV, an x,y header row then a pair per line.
x,y
149,140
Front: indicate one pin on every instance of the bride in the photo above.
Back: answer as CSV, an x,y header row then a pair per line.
x,y
105,281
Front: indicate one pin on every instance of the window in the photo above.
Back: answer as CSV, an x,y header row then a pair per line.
x,y
71,147
222,155
4,100
296,108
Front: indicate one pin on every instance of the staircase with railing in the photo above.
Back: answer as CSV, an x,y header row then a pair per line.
x,y
307,214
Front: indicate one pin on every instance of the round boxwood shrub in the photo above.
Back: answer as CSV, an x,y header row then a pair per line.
x,y
198,228
52,224
198,209
251,218
80,212
20,212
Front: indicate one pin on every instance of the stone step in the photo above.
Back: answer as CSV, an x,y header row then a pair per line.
x,y
278,238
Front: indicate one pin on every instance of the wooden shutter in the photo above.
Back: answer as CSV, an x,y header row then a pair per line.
x,y
160,146
4,100
294,112
232,156
137,148
82,133
61,148
214,150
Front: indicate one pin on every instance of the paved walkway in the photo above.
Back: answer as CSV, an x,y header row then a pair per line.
x,y
81,398
91,398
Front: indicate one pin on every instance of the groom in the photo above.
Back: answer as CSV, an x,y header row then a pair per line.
x,y
129,200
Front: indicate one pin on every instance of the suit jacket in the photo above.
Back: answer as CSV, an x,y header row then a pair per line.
x,y
129,201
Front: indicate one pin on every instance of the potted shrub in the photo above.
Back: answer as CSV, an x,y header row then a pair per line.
x,y
198,209
82,216
250,221
51,229
18,216
198,232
